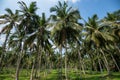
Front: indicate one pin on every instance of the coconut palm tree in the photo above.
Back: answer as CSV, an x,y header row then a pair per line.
x,y
98,37
16,43
28,20
112,20
65,27
41,38
10,21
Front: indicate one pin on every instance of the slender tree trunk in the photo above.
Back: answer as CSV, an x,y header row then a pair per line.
x,y
50,63
81,62
66,65
36,69
100,66
39,62
1,58
18,68
106,62
4,50
21,55
60,76
38,57
83,67
91,62
32,71
115,62
46,64
93,66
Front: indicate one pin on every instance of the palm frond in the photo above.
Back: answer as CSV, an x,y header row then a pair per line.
x,y
9,11
33,7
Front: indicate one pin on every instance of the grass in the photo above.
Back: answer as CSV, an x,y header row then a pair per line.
x,y
53,75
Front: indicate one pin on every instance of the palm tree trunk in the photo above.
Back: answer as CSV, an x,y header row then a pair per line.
x,y
32,71
39,55
4,48
115,62
39,63
66,65
60,76
106,62
94,65
18,68
46,64
100,66
1,57
81,64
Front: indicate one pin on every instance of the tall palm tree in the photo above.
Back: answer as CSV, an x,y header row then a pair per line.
x,y
27,24
112,20
41,38
10,21
98,37
16,43
65,27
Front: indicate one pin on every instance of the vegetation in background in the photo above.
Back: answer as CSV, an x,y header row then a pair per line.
x,y
59,47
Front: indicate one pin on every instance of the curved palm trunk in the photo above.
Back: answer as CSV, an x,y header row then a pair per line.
x,y
32,71
81,63
115,62
21,54
93,66
18,68
4,48
100,66
106,62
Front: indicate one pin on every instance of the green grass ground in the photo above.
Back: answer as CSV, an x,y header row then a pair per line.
x,y
53,75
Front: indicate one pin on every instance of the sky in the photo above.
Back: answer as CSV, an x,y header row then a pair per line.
x,y
86,7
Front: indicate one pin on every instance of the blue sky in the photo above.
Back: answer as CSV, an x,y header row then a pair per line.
x,y
100,7
86,7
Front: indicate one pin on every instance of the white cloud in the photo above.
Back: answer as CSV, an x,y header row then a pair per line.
x,y
54,0
73,1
